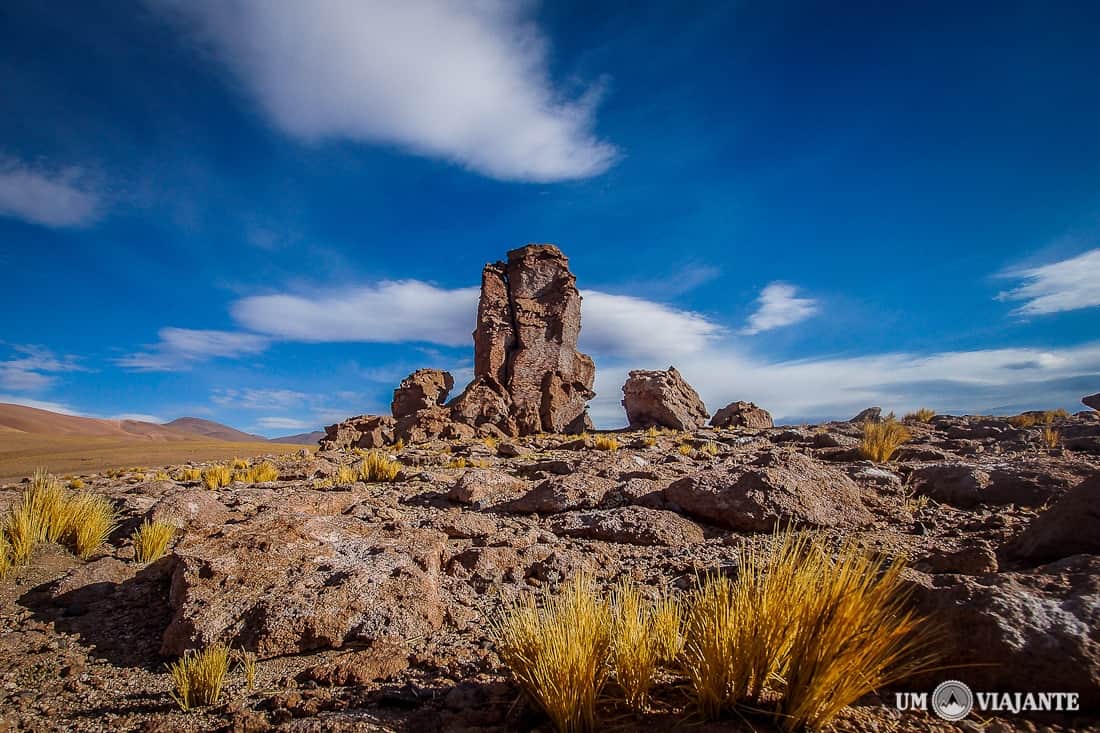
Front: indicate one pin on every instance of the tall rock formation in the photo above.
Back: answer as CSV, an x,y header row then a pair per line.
x,y
528,375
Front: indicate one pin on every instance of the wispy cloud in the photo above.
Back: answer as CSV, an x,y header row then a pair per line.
x,y
284,423
260,399
33,368
179,348
13,399
621,326
464,82
139,417
778,307
1065,285
56,199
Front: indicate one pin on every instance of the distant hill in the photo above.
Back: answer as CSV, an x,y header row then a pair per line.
x,y
33,420
210,429
301,438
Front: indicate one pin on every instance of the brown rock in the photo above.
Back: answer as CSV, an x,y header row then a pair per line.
x,y
630,525
1070,527
1092,400
1024,483
1036,631
562,493
871,414
483,485
385,659
189,508
422,425
742,415
662,398
776,489
420,390
528,375
282,583
364,431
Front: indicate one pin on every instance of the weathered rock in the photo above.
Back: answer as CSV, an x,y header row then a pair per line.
x,y
1070,527
742,415
528,375
776,489
423,425
189,508
364,431
562,493
662,398
1037,631
420,390
630,525
282,583
871,414
477,485
1092,400
1025,483
384,659
976,559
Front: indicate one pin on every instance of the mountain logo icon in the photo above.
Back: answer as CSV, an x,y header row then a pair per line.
x,y
952,700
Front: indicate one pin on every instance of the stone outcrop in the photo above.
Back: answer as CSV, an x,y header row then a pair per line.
x,y
777,489
1093,401
528,375
1070,527
421,390
871,414
662,399
364,431
742,415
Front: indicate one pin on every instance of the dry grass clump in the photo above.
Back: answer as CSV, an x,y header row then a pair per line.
x,y
151,540
263,473
667,628
459,462
854,635
5,556
710,449
1051,437
634,648
216,476
924,414
558,653
91,519
606,442
161,476
1043,417
686,449
376,467
76,484
198,676
490,441
46,512
239,464
189,474
246,662
881,439
346,476
23,529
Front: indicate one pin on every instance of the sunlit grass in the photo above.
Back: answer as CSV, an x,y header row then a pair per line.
x,y
606,442
376,467
924,414
151,540
189,474
882,439
216,476
346,476
634,649
91,519
198,677
1051,437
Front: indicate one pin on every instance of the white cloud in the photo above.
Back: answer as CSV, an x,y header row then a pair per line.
x,y
33,369
462,81
58,407
139,417
284,423
1001,380
389,312
260,399
779,307
52,199
624,326
1060,286
178,348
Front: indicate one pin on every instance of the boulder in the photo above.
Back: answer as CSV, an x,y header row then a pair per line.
x,y
777,489
871,414
742,415
1007,632
528,375
1070,527
283,583
422,425
363,431
478,485
1021,482
630,525
1092,400
662,398
189,508
562,493
421,390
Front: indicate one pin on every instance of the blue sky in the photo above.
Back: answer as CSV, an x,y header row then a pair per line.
x,y
268,213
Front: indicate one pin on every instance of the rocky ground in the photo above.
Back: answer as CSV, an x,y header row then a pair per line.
x,y
368,603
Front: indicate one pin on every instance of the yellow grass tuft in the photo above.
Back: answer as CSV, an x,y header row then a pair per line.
x,y
246,662
399,445
161,476
322,483
377,467
881,439
558,653
346,475
686,449
459,462
151,540
198,677
216,476
711,449
668,628
634,649
47,500
24,531
854,635
239,464
263,473
490,441
606,442
924,414
189,474
5,555
1051,437
91,519
76,484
